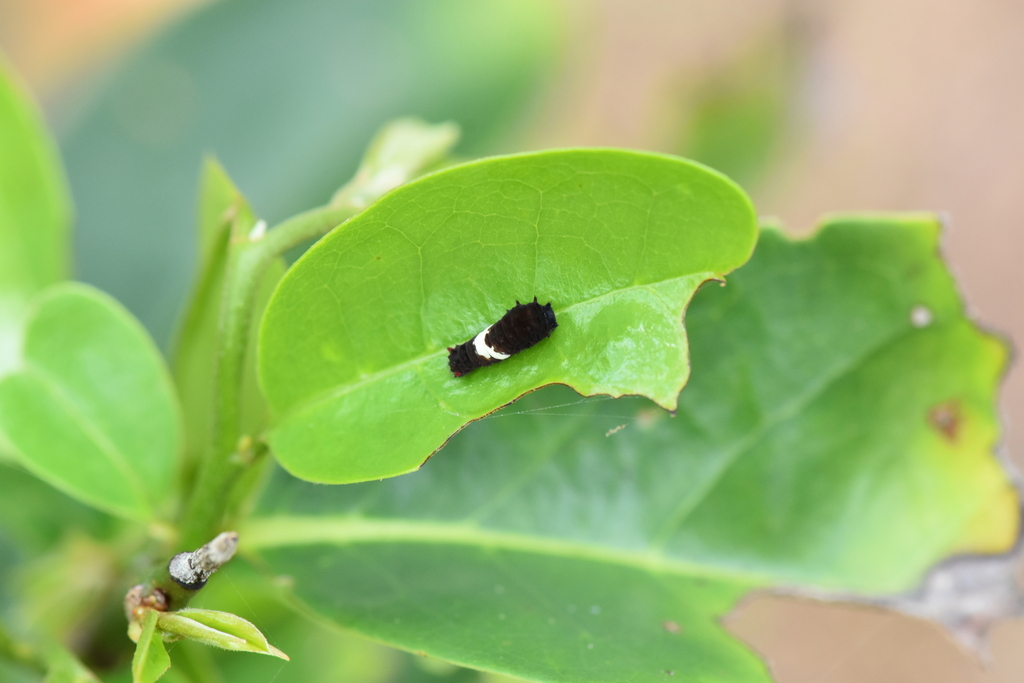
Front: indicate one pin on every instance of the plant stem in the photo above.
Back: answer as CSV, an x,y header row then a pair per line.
x,y
248,259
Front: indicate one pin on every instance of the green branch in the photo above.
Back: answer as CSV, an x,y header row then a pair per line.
x,y
248,260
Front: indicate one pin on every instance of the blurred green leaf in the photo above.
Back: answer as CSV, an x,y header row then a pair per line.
x,y
738,115
65,668
357,331
10,557
36,515
220,206
92,410
223,212
837,431
151,660
219,629
399,152
11,673
35,211
285,95
60,590
50,663
18,660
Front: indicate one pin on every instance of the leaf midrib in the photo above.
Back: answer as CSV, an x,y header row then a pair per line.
x,y
282,531
114,455
788,411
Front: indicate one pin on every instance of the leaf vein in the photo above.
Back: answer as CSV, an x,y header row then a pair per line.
x,y
793,408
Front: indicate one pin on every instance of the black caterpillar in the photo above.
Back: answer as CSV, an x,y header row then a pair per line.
x,y
520,328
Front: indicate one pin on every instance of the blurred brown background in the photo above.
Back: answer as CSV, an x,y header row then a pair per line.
x,y
814,107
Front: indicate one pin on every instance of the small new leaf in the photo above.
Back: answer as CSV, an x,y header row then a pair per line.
x,y
401,151
151,660
220,629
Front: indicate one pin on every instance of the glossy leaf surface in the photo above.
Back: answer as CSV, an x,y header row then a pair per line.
x,y
92,410
837,432
34,213
353,350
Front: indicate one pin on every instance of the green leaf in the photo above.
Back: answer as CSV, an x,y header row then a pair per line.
x,y
737,114
220,205
212,82
60,590
223,212
151,660
36,515
832,435
353,357
65,668
49,657
92,410
35,211
18,660
319,652
220,629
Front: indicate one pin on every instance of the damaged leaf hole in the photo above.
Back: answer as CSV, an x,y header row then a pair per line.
x,y
947,419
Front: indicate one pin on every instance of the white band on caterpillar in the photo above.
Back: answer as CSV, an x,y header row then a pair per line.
x,y
485,351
